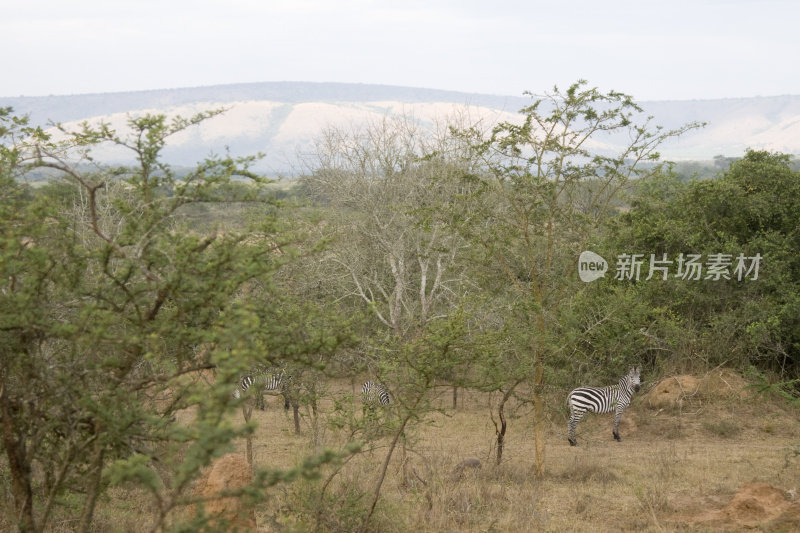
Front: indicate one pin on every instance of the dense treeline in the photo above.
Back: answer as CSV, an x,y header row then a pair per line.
x,y
749,210
418,258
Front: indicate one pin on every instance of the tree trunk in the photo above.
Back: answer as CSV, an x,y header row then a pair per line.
x,y
500,430
315,422
538,402
19,466
93,490
538,416
247,410
455,397
382,476
296,414
56,483
501,435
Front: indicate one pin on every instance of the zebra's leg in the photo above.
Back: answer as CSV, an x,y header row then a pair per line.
x,y
285,384
260,401
574,418
617,418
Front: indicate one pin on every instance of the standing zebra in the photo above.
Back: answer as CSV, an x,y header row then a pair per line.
x,y
602,400
373,393
264,379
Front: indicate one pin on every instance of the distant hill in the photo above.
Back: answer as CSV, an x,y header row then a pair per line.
x,y
280,119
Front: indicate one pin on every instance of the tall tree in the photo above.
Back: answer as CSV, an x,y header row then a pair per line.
x,y
112,307
391,256
546,183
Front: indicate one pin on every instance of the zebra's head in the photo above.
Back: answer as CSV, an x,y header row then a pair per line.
x,y
633,378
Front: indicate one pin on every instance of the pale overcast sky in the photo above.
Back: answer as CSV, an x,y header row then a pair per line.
x,y
654,50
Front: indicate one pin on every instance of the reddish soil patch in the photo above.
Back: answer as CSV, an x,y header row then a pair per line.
x,y
672,392
719,384
755,505
229,472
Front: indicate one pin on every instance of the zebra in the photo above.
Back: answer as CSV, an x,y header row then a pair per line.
x,y
266,379
602,400
373,392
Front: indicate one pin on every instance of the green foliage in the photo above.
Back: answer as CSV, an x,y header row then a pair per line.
x,y
134,469
535,201
446,260
750,209
111,310
341,510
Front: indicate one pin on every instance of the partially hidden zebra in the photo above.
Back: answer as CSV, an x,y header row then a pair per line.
x,y
264,379
602,400
373,393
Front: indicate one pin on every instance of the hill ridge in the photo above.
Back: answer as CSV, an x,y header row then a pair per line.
x,y
734,124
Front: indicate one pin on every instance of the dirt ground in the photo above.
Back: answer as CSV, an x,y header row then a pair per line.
x,y
699,454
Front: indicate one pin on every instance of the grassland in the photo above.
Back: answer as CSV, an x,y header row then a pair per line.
x,y
676,469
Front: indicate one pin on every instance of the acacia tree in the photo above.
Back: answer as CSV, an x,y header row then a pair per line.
x,y
111,308
390,255
547,182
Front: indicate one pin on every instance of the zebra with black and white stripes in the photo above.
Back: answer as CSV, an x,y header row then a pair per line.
x,y
602,400
264,379
373,393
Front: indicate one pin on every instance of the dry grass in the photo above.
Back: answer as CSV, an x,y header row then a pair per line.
x,y
672,466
